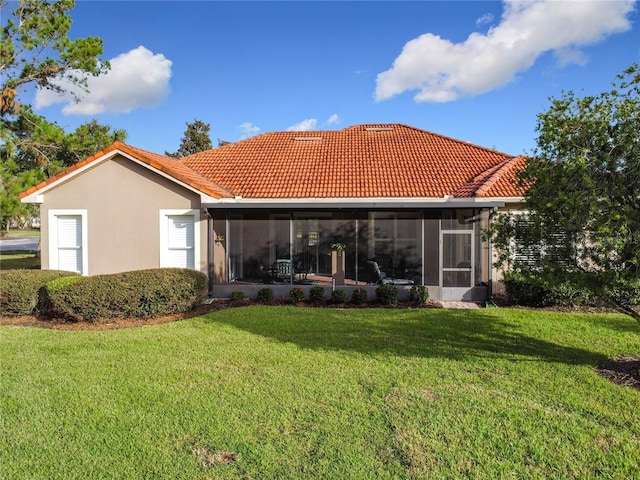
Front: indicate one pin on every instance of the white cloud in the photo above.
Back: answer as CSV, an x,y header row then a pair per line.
x,y
138,78
486,18
303,126
248,129
567,56
334,119
443,71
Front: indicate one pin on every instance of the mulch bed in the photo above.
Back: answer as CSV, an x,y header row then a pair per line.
x,y
622,370
108,323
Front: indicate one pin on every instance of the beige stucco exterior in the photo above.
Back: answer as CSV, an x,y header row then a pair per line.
x,y
497,273
123,201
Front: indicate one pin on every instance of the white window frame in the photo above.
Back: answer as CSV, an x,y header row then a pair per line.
x,y
53,238
164,238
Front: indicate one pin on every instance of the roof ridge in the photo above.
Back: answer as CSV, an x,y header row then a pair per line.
x,y
132,150
505,167
463,142
422,130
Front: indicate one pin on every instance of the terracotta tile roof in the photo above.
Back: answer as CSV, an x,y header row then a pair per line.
x,y
503,182
362,161
498,181
169,166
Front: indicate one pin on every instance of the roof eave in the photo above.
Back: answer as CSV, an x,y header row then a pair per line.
x,y
368,202
37,196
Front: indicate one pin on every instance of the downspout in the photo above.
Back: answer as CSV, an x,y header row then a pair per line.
x,y
209,251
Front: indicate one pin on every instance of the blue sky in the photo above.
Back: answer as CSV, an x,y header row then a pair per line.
x,y
477,71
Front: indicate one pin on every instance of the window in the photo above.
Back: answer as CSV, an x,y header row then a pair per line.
x,y
179,238
68,241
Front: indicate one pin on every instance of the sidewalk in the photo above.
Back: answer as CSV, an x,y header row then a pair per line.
x,y
459,305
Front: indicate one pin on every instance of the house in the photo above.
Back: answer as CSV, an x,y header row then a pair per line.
x,y
402,205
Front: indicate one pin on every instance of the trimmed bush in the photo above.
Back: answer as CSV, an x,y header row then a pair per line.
x,y
338,296
44,295
316,294
387,294
237,296
419,294
265,295
140,294
296,295
19,289
359,296
525,292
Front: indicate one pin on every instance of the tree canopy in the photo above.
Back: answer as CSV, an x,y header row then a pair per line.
x,y
582,219
36,28
35,49
196,139
36,149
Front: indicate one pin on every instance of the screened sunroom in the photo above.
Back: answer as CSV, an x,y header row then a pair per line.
x,y
348,248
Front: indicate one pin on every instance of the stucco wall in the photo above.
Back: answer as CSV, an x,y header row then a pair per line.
x,y
123,200
498,272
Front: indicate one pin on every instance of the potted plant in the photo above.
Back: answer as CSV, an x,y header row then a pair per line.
x,y
337,262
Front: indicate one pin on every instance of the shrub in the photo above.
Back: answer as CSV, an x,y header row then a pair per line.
x,y
296,295
359,296
44,295
568,295
525,291
140,293
237,296
387,294
530,292
629,296
265,295
19,289
338,296
316,294
419,294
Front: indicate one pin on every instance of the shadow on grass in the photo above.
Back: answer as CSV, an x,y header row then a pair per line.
x,y
18,259
452,334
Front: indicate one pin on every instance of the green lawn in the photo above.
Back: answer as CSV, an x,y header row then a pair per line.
x,y
22,233
291,392
17,259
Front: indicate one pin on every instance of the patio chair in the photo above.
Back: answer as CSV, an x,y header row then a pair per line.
x,y
374,275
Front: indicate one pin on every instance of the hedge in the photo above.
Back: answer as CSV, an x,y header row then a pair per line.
x,y
530,292
359,296
387,294
19,289
265,295
140,294
419,294
316,294
338,296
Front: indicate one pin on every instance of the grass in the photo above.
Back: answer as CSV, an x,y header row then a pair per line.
x,y
292,392
22,233
18,259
